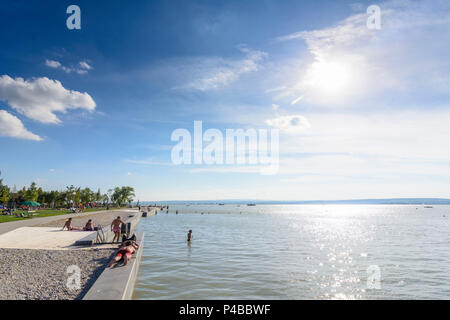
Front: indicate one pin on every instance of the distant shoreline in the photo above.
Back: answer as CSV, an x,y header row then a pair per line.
x,y
387,201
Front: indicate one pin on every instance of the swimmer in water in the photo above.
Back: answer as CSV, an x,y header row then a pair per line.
x,y
189,236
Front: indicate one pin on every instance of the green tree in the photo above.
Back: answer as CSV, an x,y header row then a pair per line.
x,y
106,199
98,197
86,195
77,197
62,199
43,197
127,194
32,193
123,195
4,193
70,195
52,198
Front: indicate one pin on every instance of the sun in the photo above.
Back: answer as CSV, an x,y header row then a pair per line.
x,y
331,78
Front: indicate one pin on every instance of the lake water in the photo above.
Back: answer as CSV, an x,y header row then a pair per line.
x,y
296,252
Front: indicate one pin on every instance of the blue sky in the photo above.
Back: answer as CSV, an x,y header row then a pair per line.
x,y
362,113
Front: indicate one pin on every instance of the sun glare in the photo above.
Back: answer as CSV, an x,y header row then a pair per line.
x,y
330,78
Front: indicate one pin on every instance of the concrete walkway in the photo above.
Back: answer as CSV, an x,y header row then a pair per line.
x,y
41,238
34,222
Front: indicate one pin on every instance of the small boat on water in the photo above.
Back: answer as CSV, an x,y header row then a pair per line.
x,y
428,207
251,204
221,204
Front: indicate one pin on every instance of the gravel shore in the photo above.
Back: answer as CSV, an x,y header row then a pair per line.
x,y
42,274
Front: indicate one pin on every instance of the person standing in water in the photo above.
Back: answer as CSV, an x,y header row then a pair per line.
x,y
189,236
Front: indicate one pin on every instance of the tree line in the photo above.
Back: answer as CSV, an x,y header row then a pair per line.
x,y
65,198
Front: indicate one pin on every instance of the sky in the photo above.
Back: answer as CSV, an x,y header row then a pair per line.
x,y
361,112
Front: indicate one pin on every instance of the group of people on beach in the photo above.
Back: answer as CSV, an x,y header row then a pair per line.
x,y
116,227
88,227
127,246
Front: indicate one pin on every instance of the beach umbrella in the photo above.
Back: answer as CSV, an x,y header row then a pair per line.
x,y
30,204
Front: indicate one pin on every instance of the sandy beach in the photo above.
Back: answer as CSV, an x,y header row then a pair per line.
x,y
42,274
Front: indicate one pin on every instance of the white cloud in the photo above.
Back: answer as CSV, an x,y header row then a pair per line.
x,y
85,65
297,100
80,71
52,64
11,126
280,88
213,73
400,134
291,123
40,98
82,68
378,154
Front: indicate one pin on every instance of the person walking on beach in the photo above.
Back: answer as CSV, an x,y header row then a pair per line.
x,y
189,236
115,227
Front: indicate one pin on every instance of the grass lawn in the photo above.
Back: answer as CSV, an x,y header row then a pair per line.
x,y
48,213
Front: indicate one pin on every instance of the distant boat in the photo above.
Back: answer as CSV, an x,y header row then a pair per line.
x,y
221,204
428,207
251,204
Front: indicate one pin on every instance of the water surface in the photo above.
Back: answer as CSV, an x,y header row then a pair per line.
x,y
296,252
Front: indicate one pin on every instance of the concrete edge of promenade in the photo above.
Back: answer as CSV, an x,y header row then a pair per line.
x,y
118,283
